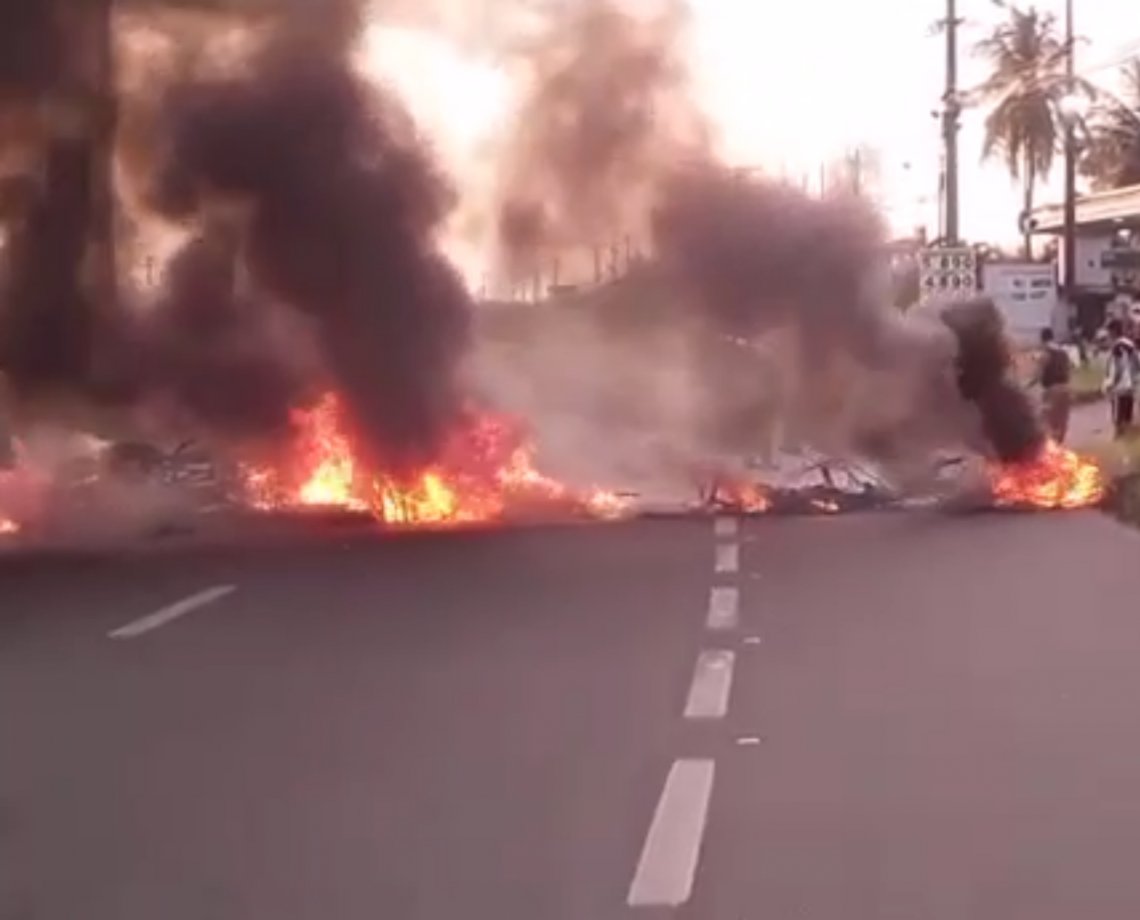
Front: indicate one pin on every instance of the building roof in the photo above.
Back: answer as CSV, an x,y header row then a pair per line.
x,y
1101,210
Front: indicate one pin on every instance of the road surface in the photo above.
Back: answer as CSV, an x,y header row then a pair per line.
x,y
1090,424
880,717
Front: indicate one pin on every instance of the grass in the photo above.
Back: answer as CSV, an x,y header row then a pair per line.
x,y
1086,381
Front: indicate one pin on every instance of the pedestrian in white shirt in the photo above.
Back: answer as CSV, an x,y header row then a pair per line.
x,y
1121,378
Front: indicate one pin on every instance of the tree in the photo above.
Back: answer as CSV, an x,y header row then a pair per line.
x,y
1111,158
1025,89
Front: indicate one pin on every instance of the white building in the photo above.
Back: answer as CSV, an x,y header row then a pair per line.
x,y
1107,249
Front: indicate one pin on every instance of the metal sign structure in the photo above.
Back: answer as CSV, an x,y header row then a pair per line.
x,y
1025,293
948,272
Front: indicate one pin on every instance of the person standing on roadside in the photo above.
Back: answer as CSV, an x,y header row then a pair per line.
x,y
1121,377
1053,375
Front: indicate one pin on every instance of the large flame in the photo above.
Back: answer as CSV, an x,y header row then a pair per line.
x,y
1056,478
485,471
17,491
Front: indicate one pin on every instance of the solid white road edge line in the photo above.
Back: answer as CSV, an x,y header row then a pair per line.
x,y
172,612
712,683
726,526
668,864
727,557
724,608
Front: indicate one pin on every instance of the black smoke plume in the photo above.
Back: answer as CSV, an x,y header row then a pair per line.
x,y
343,204
984,365
214,355
758,254
322,270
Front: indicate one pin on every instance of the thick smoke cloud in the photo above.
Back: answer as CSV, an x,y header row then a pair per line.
x,y
312,207
797,283
215,356
343,204
606,111
342,216
983,366
311,204
759,254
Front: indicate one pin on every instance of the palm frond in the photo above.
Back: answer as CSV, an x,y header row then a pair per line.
x,y
1024,89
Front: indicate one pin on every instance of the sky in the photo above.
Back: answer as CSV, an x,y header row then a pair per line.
x,y
792,86
787,88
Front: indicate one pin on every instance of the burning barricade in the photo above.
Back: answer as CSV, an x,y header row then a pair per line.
x,y
797,484
486,472
1057,478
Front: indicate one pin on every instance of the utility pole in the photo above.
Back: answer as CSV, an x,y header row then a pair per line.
x,y
942,198
1069,241
951,110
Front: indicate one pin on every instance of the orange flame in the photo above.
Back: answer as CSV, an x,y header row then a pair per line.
x,y
1057,478
483,472
10,488
740,494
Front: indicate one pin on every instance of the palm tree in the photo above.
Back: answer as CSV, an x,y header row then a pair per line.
x,y
1112,157
1025,89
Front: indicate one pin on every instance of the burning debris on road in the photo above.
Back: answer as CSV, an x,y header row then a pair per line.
x,y
1056,478
310,329
485,472
798,486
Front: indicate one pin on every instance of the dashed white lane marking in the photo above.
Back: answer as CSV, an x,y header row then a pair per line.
x,y
727,558
724,608
726,526
668,864
172,612
712,683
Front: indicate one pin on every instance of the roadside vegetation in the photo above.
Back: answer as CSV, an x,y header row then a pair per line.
x,y
1087,380
1120,461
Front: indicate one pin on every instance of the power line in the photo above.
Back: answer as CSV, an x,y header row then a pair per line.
x,y
1122,56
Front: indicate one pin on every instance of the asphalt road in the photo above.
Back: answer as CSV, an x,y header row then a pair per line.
x,y
1089,424
868,718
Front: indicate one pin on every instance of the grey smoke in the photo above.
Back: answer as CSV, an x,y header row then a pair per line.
x,y
765,318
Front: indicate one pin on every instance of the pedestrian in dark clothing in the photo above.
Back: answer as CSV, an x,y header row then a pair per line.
x,y
1053,375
